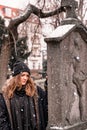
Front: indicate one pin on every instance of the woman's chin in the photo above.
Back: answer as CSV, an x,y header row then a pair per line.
x,y
23,83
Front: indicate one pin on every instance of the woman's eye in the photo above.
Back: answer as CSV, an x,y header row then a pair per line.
x,y
27,75
22,75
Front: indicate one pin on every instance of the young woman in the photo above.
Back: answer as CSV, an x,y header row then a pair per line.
x,y
22,104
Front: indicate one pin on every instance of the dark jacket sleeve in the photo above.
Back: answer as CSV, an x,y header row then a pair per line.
x,y
4,119
43,108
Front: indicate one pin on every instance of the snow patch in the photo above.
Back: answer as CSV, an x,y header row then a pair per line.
x,y
61,30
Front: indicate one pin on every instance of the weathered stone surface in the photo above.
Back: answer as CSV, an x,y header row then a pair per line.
x,y
67,73
67,82
70,7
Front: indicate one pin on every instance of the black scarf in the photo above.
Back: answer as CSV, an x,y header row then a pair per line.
x,y
23,111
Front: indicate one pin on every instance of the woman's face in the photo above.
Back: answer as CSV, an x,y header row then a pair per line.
x,y
24,78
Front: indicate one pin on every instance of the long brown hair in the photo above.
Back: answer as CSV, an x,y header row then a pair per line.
x,y
14,83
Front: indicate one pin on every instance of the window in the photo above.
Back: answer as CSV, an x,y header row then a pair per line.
x,y
8,12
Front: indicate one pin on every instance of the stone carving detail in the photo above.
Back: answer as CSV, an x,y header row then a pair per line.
x,y
79,77
70,7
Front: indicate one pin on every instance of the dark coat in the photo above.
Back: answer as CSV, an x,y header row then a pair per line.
x,y
7,114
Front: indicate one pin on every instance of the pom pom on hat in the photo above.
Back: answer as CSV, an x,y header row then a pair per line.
x,y
20,67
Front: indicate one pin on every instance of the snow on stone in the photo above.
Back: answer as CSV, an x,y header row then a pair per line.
x,y
56,128
61,30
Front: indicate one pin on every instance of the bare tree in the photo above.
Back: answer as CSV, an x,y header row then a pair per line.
x,y
13,33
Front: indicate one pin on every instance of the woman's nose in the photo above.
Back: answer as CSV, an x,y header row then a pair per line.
x,y
25,77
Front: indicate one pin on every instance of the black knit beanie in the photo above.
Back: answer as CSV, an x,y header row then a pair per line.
x,y
19,67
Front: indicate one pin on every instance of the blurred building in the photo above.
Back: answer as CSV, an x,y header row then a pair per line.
x,y
9,12
33,29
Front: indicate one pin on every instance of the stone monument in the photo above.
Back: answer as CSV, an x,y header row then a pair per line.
x,y
67,73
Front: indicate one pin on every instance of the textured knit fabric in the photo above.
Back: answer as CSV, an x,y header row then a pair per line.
x,y
23,108
22,113
20,67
